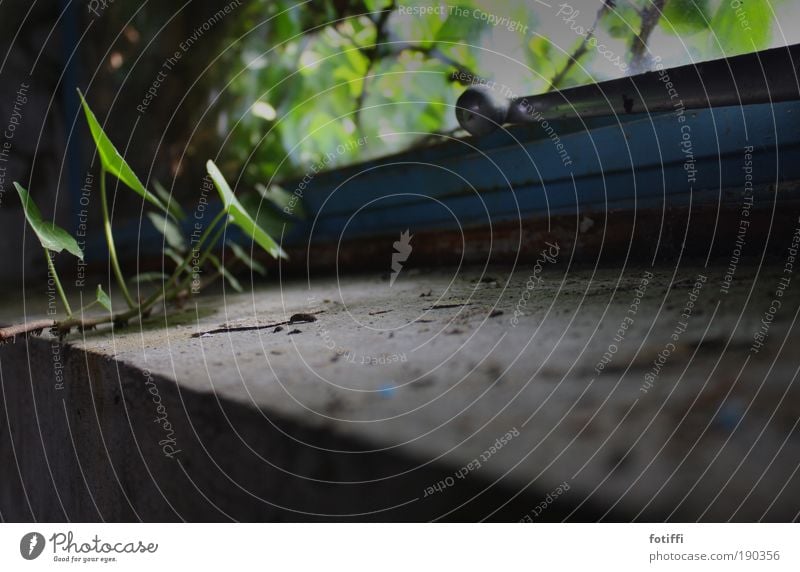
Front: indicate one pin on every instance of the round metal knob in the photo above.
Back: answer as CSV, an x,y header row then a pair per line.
x,y
480,110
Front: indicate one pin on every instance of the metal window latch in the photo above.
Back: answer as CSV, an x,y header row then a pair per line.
x,y
760,77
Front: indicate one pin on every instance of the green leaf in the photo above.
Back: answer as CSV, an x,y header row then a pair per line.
x,y
239,253
172,234
102,298
229,278
267,216
375,5
174,208
458,28
113,162
744,29
282,199
51,236
286,25
420,29
176,258
685,17
622,22
541,56
239,216
149,277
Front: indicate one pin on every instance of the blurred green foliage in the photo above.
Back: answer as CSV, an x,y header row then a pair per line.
x,y
297,80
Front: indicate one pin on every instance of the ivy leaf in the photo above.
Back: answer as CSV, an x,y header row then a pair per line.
x,y
149,277
113,162
267,216
282,199
51,236
744,29
176,258
685,17
102,298
174,208
239,216
229,278
172,234
239,253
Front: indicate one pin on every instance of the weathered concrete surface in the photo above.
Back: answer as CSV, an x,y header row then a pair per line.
x,y
407,385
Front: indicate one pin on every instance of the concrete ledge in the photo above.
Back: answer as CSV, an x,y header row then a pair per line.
x,y
378,408
94,451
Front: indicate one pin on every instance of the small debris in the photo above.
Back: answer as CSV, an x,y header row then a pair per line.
x,y
277,329
495,313
445,306
276,352
485,281
681,284
334,406
295,319
426,294
295,331
378,312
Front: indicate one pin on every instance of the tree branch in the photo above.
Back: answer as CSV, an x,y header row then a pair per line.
x,y
582,48
650,17
372,58
434,52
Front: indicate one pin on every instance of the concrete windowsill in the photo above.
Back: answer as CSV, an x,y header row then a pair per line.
x,y
395,388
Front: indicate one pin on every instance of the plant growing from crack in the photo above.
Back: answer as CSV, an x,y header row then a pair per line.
x,y
55,240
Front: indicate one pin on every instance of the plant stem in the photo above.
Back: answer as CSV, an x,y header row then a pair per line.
x,y
203,257
87,306
175,278
11,332
136,310
172,287
51,267
71,322
207,231
112,251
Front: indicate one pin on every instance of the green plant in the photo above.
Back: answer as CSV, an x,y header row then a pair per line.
x,y
55,239
301,78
